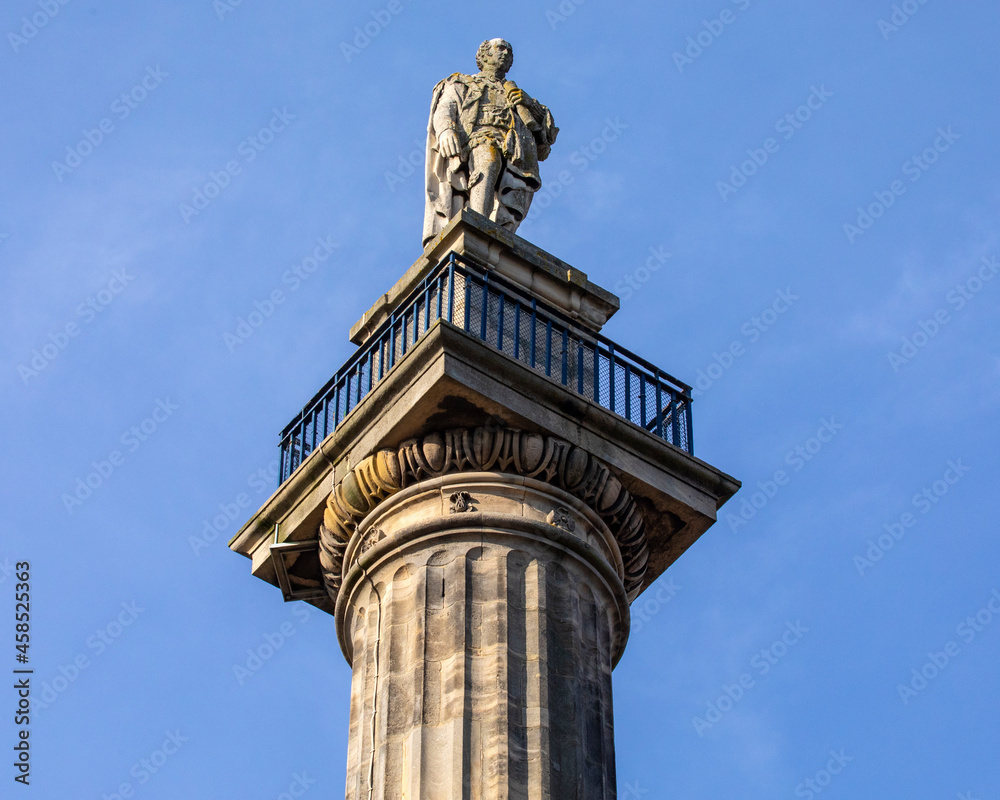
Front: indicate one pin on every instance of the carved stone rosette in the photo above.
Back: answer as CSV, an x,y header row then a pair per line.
x,y
484,449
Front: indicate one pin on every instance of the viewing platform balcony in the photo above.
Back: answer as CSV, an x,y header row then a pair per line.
x,y
498,312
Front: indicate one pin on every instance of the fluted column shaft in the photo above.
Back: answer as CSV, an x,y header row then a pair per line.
x,y
482,614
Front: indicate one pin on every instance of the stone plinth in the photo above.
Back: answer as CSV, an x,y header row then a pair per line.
x,y
482,613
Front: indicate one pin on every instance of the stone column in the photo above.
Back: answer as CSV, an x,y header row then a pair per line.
x,y
482,613
480,576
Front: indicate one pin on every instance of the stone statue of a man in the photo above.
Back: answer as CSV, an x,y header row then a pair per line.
x,y
485,138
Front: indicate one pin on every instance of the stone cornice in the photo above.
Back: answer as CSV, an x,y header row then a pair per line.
x,y
482,449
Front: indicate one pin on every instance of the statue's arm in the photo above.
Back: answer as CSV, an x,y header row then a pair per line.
x,y
536,117
521,99
446,112
445,121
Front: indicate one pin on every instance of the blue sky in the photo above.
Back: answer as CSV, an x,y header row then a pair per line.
x,y
827,189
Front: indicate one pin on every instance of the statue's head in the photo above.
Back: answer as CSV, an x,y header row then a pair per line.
x,y
497,53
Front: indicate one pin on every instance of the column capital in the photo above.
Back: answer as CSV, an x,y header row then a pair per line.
x,y
496,449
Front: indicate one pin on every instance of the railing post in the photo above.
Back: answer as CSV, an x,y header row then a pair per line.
x,y
597,373
643,386
534,320
565,358
690,429
451,289
483,310
468,310
392,342
611,377
500,299
675,420
628,393
659,405
439,284
548,348
517,330
427,306
416,322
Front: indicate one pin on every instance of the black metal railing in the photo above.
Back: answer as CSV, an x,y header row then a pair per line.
x,y
505,317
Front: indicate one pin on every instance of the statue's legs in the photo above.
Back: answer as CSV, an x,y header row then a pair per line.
x,y
485,164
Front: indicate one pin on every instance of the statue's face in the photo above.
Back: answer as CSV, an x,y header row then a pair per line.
x,y
501,54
